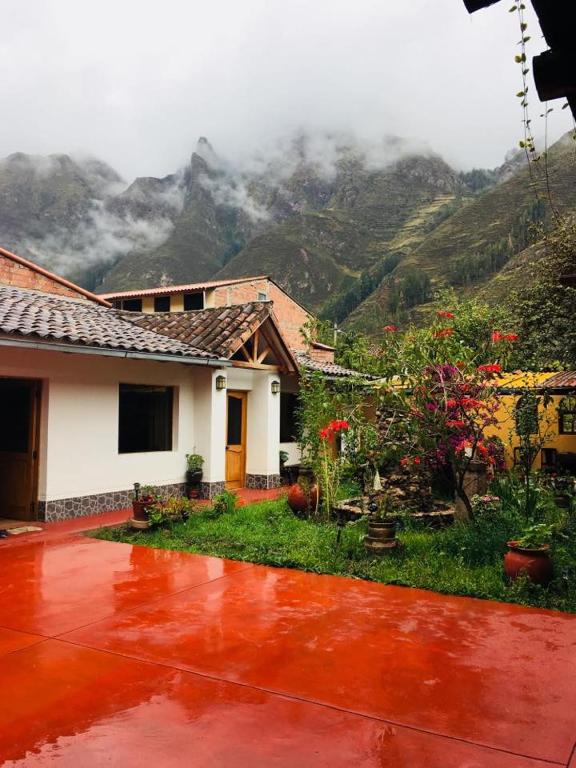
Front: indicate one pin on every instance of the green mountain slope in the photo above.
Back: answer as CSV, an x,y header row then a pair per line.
x,y
477,241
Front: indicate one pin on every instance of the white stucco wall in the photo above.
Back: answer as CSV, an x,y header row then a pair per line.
x,y
263,449
79,429
78,452
294,453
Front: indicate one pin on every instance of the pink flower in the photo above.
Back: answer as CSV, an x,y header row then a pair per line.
x,y
447,315
390,328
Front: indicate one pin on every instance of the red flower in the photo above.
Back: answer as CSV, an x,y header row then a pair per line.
x,y
404,461
451,403
491,368
417,460
470,402
447,315
497,336
482,450
456,423
326,434
444,333
390,328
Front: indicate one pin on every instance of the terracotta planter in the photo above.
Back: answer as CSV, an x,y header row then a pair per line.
x,y
303,499
534,563
139,509
381,536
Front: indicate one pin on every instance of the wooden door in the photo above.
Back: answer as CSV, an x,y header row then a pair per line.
x,y
19,420
236,440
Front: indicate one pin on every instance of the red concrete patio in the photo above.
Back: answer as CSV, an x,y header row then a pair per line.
x,y
121,655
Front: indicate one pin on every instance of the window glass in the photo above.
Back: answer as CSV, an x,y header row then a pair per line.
x,y
132,305
288,422
193,301
162,304
262,296
145,418
567,415
234,436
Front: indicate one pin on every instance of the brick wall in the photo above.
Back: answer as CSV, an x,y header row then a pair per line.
x,y
290,315
22,276
320,354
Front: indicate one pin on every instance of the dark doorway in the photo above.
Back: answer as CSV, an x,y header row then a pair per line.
x,y
19,429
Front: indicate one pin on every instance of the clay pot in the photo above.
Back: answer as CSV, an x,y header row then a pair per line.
x,y
139,509
534,563
303,499
381,536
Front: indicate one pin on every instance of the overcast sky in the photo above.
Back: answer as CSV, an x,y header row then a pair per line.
x,y
135,82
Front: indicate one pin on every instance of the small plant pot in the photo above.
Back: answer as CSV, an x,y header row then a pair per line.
x,y
140,509
381,537
535,563
194,476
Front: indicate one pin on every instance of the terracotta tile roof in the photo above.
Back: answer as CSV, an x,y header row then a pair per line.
x,y
565,379
167,290
221,330
328,369
28,313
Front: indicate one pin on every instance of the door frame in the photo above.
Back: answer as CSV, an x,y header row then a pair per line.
x,y
243,397
34,436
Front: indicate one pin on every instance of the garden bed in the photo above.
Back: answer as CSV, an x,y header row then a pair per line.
x,y
464,559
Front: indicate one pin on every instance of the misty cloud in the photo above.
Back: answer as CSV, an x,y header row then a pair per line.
x,y
135,83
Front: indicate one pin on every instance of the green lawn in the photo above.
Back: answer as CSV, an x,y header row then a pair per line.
x,y
464,559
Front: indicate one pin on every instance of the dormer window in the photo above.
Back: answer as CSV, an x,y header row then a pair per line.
x,y
193,301
132,305
162,304
262,296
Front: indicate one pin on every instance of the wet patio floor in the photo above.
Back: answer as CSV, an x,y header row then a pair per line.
x,y
121,655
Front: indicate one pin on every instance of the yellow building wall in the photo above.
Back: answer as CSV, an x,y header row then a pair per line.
x,y
549,422
176,303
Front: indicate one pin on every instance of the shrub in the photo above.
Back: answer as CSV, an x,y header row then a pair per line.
x,y
224,503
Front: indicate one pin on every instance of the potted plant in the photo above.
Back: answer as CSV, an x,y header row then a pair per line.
x,y
143,499
381,536
194,464
530,555
303,495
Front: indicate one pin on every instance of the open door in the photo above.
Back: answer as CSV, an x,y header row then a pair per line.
x,y
236,440
19,410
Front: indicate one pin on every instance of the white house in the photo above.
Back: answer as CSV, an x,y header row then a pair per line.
x,y
94,399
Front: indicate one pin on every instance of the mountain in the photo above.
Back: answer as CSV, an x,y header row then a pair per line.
x,y
362,233
472,246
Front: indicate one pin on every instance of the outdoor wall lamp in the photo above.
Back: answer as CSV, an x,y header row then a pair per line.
x,y
275,387
220,382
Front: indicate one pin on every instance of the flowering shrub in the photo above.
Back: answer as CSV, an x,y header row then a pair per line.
x,y
444,405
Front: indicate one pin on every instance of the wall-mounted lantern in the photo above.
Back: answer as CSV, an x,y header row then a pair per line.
x,y
275,387
220,383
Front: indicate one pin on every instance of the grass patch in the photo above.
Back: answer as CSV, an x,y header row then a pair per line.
x,y
464,559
